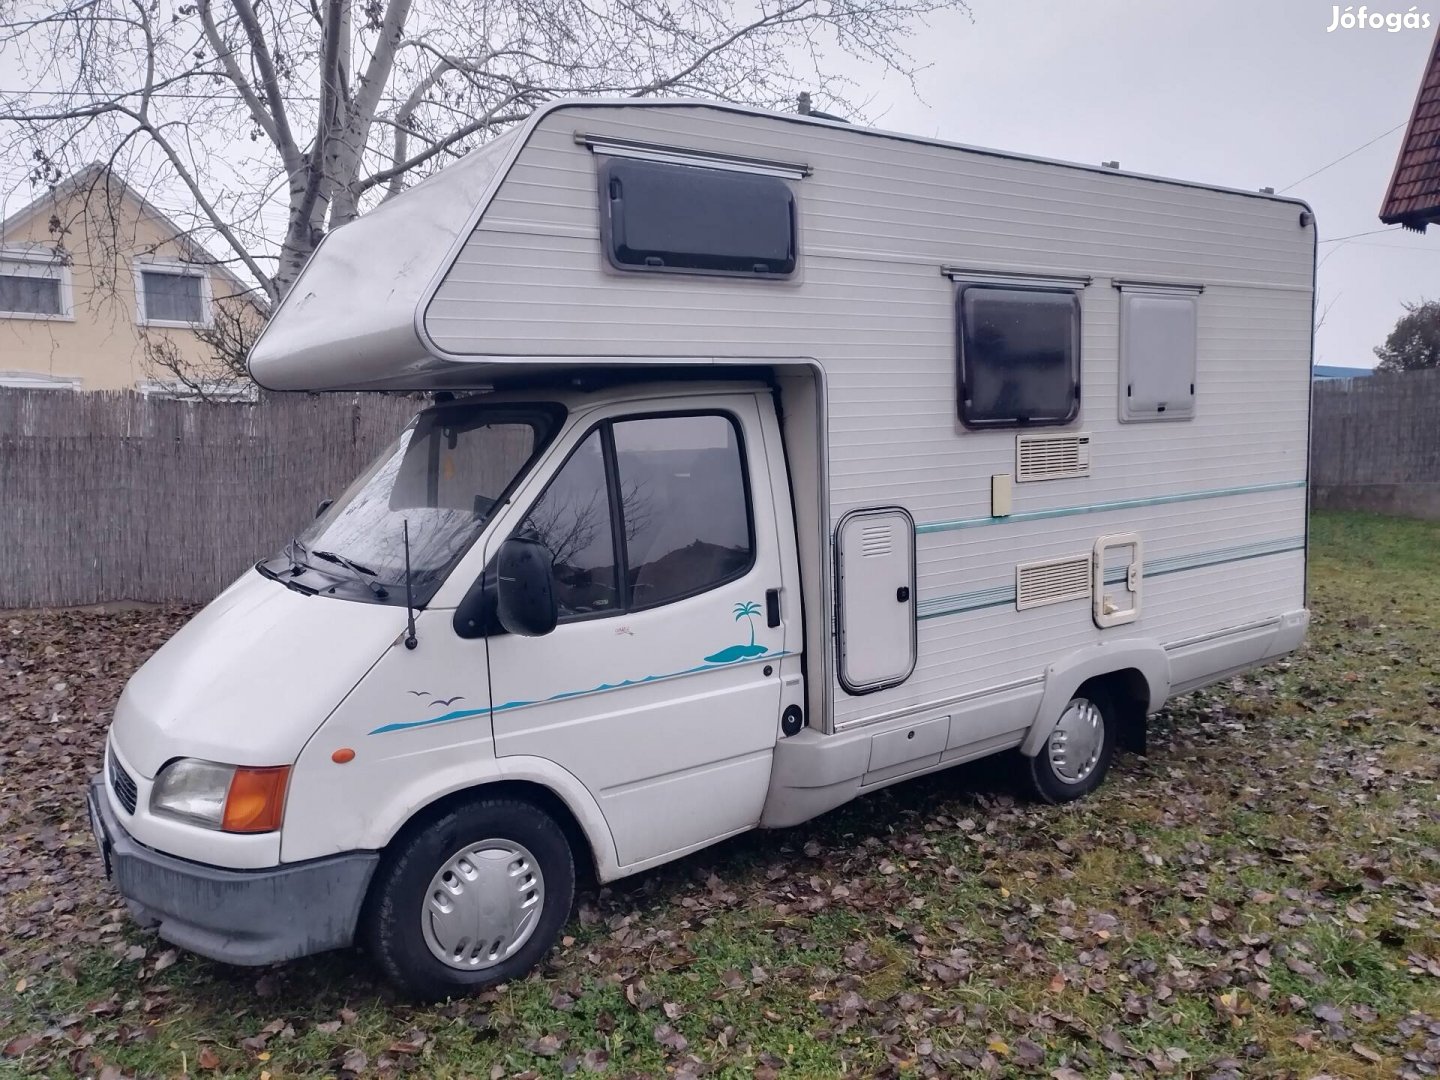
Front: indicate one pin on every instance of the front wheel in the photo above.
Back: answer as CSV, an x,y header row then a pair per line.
x,y
1076,756
472,899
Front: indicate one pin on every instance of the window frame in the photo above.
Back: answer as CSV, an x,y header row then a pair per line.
x,y
604,169
605,427
962,368
177,268
58,269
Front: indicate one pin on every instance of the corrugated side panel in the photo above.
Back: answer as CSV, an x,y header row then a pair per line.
x,y
1219,499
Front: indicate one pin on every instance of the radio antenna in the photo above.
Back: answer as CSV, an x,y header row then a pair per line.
x,y
410,641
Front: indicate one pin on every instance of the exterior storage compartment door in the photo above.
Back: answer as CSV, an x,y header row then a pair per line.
x,y
875,598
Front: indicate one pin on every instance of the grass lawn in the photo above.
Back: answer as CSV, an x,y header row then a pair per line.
x,y
1259,896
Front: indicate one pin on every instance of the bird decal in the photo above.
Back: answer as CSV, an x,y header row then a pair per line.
x,y
418,693
447,701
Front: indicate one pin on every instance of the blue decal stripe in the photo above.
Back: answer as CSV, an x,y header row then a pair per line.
x,y
567,695
1002,595
1100,508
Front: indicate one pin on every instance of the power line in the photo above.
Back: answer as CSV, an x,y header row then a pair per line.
x,y
1342,157
1352,236
95,97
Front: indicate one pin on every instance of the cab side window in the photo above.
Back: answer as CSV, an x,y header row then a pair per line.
x,y
646,511
572,519
685,505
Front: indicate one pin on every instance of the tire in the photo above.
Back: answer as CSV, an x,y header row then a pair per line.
x,y
1055,775
474,898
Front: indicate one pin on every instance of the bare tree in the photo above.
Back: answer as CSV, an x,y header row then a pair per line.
x,y
324,107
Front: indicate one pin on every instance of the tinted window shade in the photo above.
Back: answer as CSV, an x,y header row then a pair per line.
x,y
1019,356
663,217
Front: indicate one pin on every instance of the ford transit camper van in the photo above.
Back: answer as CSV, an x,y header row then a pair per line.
x,y
766,461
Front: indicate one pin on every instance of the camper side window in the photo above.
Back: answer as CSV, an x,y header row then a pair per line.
x,y
1019,356
687,219
1157,354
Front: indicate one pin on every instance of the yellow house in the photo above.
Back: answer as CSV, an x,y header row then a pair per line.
x,y
99,290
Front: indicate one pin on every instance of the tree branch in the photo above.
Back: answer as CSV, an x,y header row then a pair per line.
x,y
263,120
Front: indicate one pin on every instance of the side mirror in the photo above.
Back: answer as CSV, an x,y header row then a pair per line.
x,y
525,588
325,504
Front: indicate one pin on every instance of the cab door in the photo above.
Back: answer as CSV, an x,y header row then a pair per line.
x,y
660,689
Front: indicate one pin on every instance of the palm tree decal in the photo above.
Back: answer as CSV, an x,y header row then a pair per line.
x,y
747,610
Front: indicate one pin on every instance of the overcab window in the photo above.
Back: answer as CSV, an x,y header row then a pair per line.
x,y
684,218
1019,356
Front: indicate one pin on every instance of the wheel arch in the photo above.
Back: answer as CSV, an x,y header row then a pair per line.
x,y
535,781
1136,674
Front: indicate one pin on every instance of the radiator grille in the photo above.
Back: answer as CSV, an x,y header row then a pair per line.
x,y
1051,457
122,785
876,540
1052,581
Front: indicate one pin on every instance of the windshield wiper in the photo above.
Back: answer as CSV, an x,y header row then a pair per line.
x,y
363,574
304,590
297,564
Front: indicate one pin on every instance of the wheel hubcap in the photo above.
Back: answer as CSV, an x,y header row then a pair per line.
x,y
482,904
1076,742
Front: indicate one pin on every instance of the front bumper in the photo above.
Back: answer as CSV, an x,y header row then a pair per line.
x,y
247,917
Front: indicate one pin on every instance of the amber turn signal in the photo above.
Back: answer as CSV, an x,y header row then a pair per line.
x,y
343,755
256,802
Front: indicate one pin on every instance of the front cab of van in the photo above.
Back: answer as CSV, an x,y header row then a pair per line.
x,y
208,744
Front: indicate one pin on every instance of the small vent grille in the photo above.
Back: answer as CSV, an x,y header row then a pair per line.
x,y
876,540
1052,581
122,784
1051,457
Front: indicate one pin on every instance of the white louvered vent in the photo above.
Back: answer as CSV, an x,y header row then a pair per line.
x,y
1051,581
1051,457
876,540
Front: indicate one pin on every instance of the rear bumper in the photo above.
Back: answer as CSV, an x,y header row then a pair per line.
x,y
247,917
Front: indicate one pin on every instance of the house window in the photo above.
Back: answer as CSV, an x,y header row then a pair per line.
x,y
172,294
668,218
34,284
1019,356
1157,352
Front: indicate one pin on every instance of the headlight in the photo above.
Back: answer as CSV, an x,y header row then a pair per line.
x,y
228,797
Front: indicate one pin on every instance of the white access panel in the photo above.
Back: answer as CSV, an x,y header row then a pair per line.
x,y
875,575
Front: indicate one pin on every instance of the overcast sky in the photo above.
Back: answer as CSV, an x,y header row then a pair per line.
x,y
1244,94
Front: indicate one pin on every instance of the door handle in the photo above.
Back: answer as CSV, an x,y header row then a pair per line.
x,y
772,608
902,594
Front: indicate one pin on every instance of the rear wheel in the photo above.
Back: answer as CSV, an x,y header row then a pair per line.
x,y
1077,755
472,899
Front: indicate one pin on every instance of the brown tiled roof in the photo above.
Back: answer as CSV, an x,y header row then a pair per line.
x,y
1414,196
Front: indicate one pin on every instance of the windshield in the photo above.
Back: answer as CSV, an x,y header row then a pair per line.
x,y
444,476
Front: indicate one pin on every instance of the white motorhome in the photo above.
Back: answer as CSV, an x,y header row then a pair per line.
x,y
772,461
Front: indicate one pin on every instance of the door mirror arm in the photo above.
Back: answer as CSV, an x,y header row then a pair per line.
x,y
475,614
